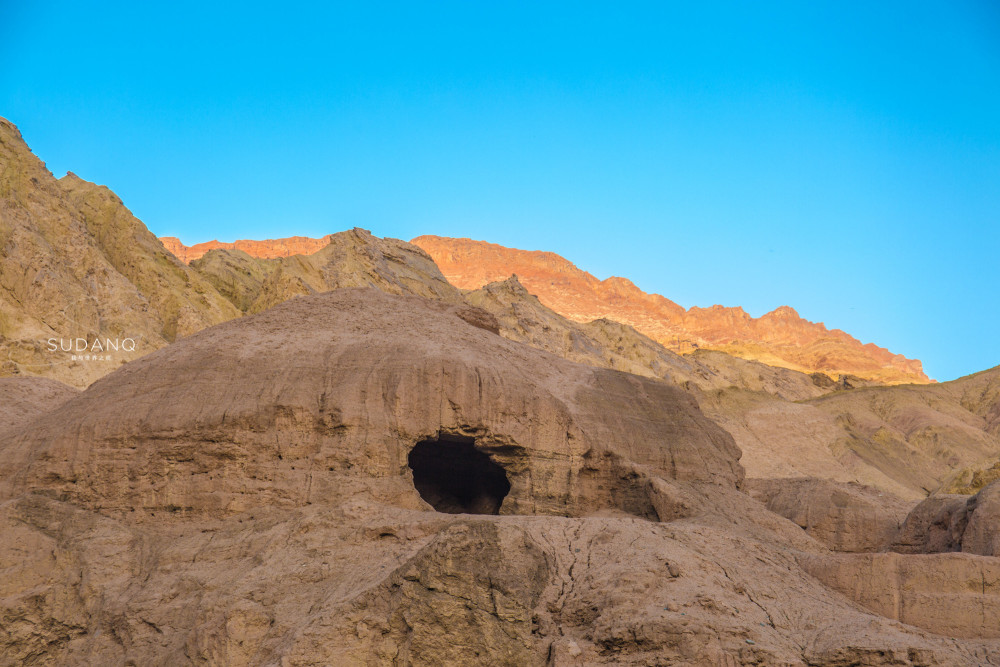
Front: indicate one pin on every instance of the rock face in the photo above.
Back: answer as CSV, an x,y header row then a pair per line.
x,y
779,338
944,523
264,492
982,534
936,525
844,517
294,245
956,594
78,268
24,399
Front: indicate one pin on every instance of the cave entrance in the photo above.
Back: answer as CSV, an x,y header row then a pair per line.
x,y
455,477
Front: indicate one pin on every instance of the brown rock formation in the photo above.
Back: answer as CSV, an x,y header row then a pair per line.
x,y
25,398
782,426
779,338
257,493
943,523
293,245
262,492
956,594
845,517
531,411
77,262
982,534
609,344
936,525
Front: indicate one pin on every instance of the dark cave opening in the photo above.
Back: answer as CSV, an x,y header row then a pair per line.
x,y
456,478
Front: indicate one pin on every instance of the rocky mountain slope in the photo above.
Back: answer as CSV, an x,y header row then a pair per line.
x,y
76,267
26,398
779,338
149,519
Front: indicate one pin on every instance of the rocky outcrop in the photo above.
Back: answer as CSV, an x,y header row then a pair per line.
x,y
944,523
181,299
779,338
957,595
844,517
353,258
936,525
601,343
982,533
270,249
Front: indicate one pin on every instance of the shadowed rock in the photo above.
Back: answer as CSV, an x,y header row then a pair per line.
x,y
945,523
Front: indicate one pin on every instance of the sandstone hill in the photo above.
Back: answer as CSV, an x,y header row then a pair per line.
x,y
789,424
779,338
609,344
439,476
767,409
356,477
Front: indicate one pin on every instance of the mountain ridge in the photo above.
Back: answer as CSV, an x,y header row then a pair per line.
x,y
780,337
270,249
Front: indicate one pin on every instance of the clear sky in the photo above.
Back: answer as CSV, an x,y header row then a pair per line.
x,y
842,158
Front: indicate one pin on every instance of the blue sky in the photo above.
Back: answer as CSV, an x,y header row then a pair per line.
x,y
842,158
